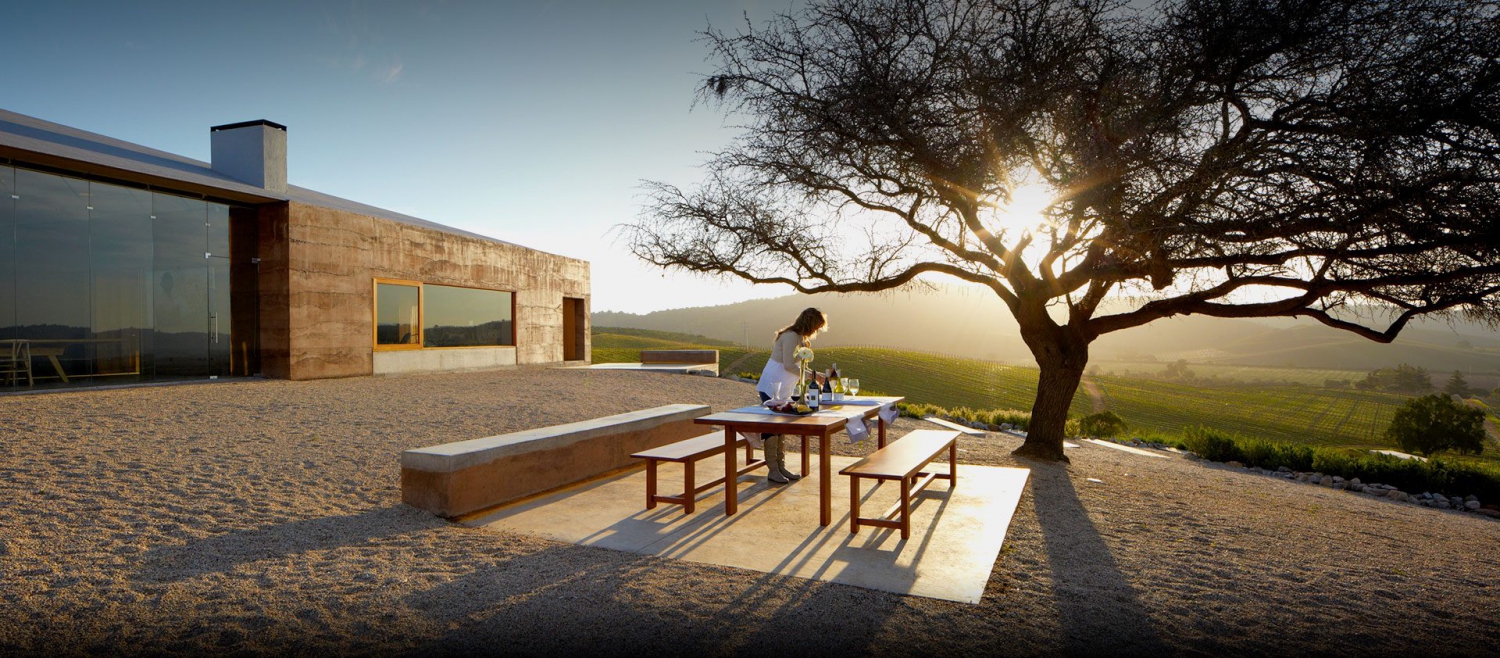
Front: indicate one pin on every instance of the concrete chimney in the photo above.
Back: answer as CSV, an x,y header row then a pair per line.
x,y
251,151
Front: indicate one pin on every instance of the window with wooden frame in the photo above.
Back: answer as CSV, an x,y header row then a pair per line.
x,y
414,315
398,312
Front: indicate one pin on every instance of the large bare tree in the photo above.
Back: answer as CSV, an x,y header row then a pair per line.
x,y
1100,166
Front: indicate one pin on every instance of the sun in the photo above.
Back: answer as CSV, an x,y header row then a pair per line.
x,y
1026,208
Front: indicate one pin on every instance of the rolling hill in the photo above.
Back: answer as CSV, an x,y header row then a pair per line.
x,y
974,323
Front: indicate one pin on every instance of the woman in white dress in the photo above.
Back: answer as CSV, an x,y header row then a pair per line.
x,y
782,371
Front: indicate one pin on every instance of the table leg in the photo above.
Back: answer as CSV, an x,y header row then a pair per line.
x,y
650,484
731,475
825,483
58,367
953,464
806,457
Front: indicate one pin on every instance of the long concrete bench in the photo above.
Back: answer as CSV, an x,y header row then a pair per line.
x,y
455,479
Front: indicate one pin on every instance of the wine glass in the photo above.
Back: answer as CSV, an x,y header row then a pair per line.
x,y
852,385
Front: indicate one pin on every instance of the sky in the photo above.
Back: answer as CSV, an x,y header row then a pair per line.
x,y
531,122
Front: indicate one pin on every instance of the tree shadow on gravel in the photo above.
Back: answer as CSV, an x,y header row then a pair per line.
x,y
575,600
222,553
1097,607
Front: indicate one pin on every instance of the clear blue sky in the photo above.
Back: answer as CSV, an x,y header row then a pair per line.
x,y
533,122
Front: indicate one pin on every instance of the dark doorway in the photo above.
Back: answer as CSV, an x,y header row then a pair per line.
x,y
575,328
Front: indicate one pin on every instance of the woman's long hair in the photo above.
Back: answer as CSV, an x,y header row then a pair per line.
x,y
808,324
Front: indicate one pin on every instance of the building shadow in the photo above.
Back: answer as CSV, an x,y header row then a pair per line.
x,y
222,553
1098,610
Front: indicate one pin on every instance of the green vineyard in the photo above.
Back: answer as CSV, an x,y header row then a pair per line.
x,y
1299,414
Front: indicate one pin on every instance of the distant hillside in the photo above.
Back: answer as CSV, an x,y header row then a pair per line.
x,y
974,323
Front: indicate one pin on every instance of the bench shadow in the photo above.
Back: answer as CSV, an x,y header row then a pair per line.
x,y
578,600
222,553
1098,609
574,599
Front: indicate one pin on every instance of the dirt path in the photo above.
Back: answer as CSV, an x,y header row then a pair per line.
x,y
734,367
1096,395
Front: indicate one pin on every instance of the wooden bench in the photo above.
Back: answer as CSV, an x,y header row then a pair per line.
x,y
902,461
688,453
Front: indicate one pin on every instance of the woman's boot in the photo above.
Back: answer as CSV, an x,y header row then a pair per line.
x,y
773,455
781,462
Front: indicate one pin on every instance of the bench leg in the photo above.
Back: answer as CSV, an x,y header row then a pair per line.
x,y
905,508
749,453
825,482
953,464
853,504
689,495
650,484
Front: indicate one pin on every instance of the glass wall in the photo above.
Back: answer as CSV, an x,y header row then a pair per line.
x,y
109,284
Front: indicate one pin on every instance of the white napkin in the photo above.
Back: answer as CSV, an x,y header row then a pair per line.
x,y
858,430
889,413
753,438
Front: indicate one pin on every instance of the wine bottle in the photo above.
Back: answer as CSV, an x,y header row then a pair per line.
x,y
812,396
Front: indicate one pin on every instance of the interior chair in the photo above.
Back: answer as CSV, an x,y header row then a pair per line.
x,y
15,358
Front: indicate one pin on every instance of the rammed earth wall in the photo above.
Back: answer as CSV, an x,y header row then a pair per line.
x,y
318,267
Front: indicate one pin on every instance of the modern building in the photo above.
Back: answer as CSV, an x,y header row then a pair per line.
x,y
121,263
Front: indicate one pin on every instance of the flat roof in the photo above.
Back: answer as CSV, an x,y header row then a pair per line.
x,y
65,147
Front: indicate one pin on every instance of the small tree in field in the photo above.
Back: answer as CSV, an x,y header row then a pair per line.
x,y
1456,385
1100,166
1433,423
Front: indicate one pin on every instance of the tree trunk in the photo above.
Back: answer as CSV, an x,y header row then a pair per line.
x,y
1062,357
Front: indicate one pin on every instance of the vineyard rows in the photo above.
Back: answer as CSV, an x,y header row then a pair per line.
x,y
1304,415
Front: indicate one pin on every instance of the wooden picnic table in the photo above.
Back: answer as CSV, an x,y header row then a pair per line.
x,y
822,425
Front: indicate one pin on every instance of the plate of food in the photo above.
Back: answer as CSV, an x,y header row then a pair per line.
x,y
788,407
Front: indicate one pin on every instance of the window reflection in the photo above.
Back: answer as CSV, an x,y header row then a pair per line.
x,y
108,283
396,308
466,317
7,254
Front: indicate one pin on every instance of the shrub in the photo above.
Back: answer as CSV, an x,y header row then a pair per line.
x,y
1021,419
1410,475
1433,423
1104,423
1212,444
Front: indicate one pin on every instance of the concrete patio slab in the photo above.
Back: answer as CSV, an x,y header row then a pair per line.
x,y
956,535
1124,448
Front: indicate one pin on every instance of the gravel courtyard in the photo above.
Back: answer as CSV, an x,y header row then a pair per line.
x,y
265,517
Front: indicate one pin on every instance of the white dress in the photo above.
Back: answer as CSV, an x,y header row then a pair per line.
x,y
777,372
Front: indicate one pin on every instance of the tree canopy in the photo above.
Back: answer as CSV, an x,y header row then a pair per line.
x,y
1434,423
1330,159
